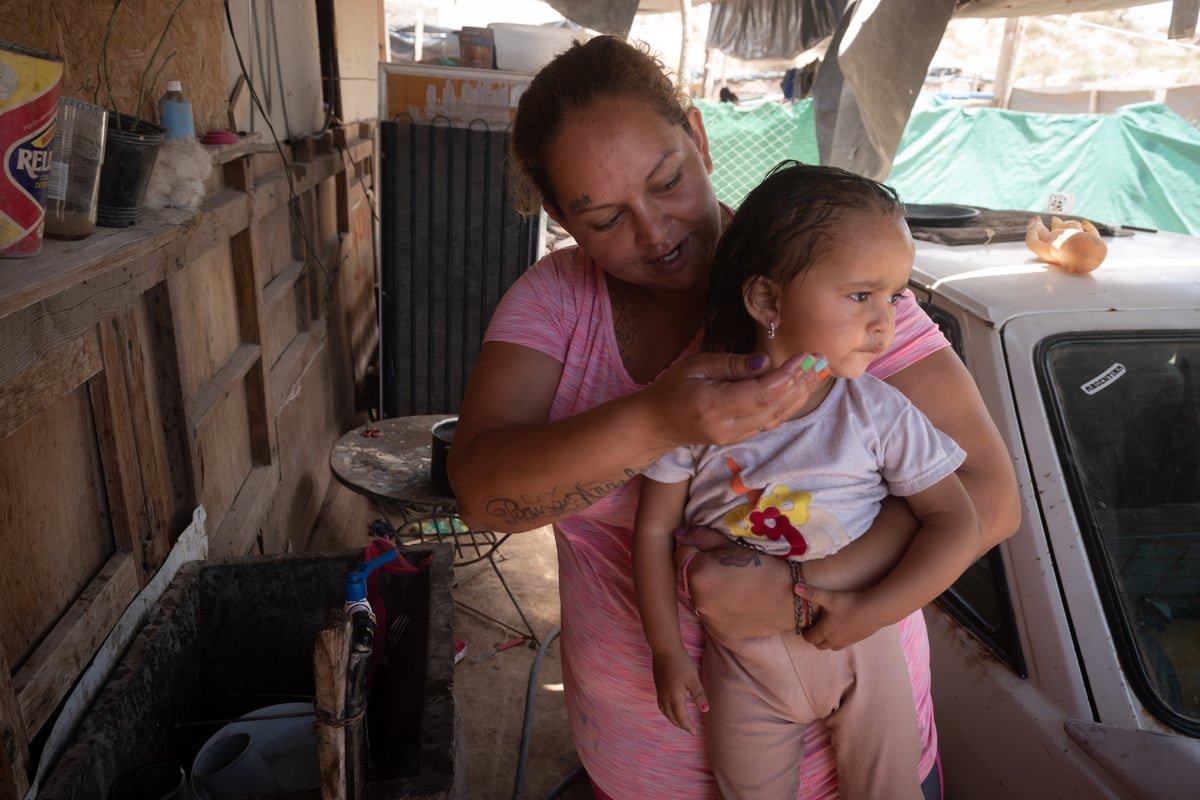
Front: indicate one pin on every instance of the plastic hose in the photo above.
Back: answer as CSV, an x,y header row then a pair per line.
x,y
527,727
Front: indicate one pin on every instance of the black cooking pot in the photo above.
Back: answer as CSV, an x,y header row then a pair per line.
x,y
443,434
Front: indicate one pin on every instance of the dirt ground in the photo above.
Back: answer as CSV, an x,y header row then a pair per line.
x,y
492,680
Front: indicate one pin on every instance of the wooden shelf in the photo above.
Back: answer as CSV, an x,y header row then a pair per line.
x,y
135,372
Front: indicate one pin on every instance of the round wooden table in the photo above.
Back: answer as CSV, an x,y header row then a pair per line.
x,y
389,461
394,466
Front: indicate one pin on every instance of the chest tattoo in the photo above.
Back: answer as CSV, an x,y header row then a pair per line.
x,y
623,329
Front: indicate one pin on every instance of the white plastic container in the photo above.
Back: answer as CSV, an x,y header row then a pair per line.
x,y
527,48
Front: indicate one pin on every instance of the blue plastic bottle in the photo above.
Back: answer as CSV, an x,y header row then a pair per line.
x,y
176,113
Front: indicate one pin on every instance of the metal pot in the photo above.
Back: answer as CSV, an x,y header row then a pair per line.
x,y
443,434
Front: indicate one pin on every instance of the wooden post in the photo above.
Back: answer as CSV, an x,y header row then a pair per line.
x,y
1183,19
685,36
330,658
706,90
419,35
15,765
1004,67
385,43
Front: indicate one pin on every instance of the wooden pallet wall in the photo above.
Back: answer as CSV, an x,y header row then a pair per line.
x,y
199,358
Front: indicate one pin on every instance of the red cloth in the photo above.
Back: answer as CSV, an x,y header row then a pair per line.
x,y
400,566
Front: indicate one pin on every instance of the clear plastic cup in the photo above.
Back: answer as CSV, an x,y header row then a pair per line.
x,y
76,156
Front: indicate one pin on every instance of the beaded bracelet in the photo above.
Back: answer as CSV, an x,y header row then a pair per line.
x,y
801,607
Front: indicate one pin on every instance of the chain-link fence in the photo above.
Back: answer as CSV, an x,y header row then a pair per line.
x,y
745,142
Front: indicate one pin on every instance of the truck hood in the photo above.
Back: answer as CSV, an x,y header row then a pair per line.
x,y
1000,281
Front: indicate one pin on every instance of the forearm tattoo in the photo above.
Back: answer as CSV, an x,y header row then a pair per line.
x,y
564,500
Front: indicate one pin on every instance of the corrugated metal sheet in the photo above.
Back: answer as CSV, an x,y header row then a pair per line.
x,y
451,245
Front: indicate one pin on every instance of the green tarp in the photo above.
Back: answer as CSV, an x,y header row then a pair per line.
x,y
1139,165
745,142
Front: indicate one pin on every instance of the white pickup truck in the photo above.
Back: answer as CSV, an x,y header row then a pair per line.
x,y
1066,663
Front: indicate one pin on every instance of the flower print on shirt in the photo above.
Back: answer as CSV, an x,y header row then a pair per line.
x,y
778,516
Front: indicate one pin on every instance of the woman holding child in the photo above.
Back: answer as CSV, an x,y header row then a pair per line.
x,y
591,370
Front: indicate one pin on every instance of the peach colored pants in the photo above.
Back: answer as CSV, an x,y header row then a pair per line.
x,y
763,691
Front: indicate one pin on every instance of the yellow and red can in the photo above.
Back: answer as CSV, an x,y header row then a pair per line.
x,y
29,84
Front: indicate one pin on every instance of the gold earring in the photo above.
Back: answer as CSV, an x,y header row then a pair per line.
x,y
771,329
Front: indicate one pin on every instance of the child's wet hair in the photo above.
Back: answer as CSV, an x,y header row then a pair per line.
x,y
783,226
602,67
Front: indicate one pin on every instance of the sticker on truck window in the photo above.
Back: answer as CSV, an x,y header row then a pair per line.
x,y
1104,379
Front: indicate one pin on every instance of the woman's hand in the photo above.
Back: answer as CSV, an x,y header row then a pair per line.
x,y
720,398
513,471
738,593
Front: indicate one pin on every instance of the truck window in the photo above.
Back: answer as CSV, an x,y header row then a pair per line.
x,y
1125,411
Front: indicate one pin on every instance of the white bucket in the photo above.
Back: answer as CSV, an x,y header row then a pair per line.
x,y
271,749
